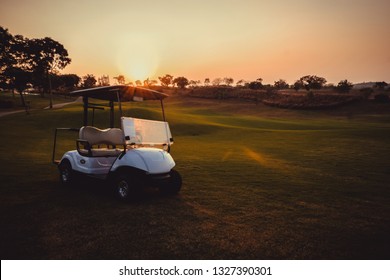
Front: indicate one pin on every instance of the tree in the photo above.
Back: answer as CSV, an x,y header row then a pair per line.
x,y
89,81
380,85
138,83
166,80
70,81
228,81
241,83
344,86
120,79
104,80
149,83
217,82
310,82
6,58
256,84
181,82
47,56
297,85
207,82
281,84
15,63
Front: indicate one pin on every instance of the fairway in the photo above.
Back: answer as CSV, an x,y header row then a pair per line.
x,y
258,183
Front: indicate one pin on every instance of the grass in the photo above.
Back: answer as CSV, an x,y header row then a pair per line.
x,y
259,183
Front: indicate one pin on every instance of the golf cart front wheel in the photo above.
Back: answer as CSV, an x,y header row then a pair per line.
x,y
126,188
173,186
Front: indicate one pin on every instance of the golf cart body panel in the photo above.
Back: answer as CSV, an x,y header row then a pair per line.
x,y
97,167
151,160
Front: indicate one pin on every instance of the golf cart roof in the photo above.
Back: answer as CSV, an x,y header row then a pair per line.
x,y
121,93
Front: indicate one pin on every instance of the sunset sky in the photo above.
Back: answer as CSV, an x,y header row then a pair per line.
x,y
242,39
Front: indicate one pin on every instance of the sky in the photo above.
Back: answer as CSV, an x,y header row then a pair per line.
x,y
198,39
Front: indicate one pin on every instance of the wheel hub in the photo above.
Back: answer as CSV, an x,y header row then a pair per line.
x,y
65,175
123,189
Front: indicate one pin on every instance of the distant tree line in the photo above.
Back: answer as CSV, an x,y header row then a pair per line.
x,y
35,63
308,82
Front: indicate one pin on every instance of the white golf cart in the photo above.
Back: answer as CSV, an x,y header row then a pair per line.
x,y
130,157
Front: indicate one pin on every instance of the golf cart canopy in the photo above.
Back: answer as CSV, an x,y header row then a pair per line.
x,y
120,93
117,93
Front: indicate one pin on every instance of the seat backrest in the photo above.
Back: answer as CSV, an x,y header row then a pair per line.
x,y
109,136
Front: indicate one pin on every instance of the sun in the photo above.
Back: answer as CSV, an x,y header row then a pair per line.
x,y
138,61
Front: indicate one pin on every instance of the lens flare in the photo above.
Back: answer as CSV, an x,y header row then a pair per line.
x,y
137,59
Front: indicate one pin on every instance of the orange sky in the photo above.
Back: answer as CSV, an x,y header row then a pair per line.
x,y
243,39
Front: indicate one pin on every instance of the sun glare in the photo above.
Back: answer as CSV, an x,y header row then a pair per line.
x,y
137,60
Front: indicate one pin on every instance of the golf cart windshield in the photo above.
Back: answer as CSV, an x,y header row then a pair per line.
x,y
146,132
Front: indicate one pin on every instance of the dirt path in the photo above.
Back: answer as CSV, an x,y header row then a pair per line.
x,y
55,106
2,114
60,105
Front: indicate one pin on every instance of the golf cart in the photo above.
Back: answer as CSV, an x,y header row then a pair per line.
x,y
129,157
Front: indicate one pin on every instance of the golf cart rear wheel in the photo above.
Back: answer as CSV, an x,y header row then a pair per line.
x,y
173,185
126,187
66,173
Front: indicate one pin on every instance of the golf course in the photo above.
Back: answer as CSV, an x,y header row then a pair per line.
x,y
259,182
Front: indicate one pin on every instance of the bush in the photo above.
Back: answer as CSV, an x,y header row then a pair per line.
x,y
310,94
366,92
318,101
382,98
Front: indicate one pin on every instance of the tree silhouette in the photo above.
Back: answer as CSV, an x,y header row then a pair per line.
x,y
70,81
380,85
89,81
281,84
47,56
256,84
181,82
104,80
6,58
298,85
120,79
149,83
166,80
310,82
344,86
228,81
240,83
217,81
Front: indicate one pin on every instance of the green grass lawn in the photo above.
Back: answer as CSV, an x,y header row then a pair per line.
x,y
258,183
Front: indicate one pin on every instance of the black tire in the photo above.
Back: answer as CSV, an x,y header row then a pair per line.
x,y
67,174
127,187
173,186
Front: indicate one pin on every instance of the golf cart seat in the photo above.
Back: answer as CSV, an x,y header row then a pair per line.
x,y
91,138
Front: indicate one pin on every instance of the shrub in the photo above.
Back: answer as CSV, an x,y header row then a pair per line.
x,y
366,92
382,98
